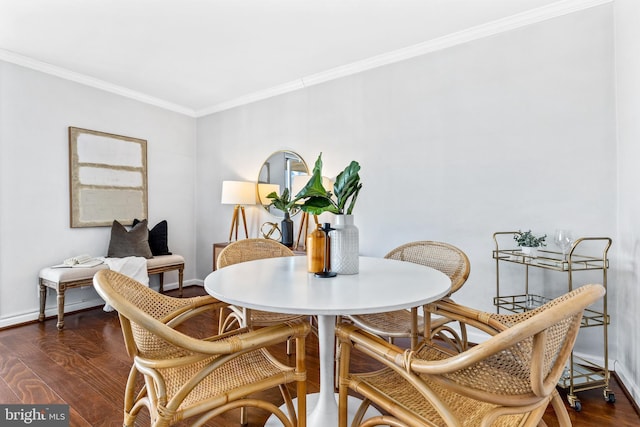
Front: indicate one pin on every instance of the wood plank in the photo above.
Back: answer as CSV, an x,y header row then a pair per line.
x,y
7,396
23,381
70,377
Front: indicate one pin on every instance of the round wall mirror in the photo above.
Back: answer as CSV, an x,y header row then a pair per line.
x,y
277,173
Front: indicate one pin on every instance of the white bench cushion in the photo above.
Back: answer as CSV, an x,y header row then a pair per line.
x,y
161,260
61,275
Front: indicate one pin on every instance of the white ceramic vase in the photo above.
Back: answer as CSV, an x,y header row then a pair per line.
x,y
344,246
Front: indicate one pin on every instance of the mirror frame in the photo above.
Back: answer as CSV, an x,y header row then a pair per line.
x,y
269,170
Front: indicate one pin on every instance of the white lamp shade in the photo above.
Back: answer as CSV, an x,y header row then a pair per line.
x,y
265,189
238,193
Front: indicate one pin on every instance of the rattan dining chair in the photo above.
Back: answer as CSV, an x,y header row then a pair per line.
x,y
443,257
507,380
250,250
192,378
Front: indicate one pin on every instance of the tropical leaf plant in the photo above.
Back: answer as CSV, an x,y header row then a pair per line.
x,y
281,202
318,199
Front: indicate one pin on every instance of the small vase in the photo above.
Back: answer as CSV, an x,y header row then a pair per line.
x,y
287,230
529,251
345,246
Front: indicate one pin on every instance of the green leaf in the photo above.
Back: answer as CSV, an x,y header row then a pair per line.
x,y
314,187
318,205
353,200
346,185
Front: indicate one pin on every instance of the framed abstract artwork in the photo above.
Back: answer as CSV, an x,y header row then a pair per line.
x,y
107,178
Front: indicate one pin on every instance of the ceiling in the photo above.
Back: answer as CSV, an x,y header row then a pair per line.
x,y
200,56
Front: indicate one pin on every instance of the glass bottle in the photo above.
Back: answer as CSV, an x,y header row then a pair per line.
x,y
315,250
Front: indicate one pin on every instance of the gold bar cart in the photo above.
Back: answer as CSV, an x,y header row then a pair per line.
x,y
580,374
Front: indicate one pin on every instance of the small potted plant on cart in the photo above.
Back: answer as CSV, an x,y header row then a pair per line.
x,y
529,242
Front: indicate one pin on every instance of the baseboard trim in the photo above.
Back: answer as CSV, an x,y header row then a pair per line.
x,y
629,387
70,308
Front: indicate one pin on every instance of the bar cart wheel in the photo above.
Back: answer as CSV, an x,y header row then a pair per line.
x,y
609,396
574,402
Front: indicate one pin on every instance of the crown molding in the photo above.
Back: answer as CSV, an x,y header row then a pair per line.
x,y
253,97
553,10
63,73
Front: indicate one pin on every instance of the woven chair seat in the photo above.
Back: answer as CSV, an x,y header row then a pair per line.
x,y
243,371
259,318
395,324
400,392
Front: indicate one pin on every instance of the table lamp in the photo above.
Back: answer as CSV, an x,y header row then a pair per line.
x,y
238,193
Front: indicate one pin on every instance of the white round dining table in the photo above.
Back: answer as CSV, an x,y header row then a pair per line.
x,y
283,285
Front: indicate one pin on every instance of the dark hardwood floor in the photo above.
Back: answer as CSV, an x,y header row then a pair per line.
x,y
86,366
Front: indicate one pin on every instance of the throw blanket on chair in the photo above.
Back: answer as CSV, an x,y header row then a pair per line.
x,y
133,266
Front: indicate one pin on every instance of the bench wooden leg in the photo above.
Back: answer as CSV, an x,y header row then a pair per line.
x,y
60,323
160,270
43,300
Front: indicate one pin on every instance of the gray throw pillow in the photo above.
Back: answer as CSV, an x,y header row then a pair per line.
x,y
125,243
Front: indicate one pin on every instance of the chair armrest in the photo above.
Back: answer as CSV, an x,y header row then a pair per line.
x,y
387,353
192,307
506,332
237,341
490,323
394,356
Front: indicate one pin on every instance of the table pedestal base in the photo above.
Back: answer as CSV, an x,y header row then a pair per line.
x,y
321,417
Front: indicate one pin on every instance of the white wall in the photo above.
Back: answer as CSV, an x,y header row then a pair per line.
x,y
513,131
35,112
627,13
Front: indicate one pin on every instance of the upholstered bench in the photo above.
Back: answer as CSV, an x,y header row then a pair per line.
x,y
61,279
